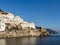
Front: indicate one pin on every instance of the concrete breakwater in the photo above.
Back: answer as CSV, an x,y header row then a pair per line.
x,y
22,33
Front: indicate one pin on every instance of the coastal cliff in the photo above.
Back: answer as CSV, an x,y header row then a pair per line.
x,y
14,26
24,33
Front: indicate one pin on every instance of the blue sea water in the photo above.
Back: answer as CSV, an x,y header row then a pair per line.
x,y
50,40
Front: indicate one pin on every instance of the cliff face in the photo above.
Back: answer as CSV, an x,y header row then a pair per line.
x,y
14,26
23,33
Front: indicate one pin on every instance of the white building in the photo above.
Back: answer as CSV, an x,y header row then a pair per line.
x,y
10,18
2,26
17,19
6,18
27,24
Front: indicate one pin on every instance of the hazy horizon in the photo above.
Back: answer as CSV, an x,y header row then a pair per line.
x,y
42,12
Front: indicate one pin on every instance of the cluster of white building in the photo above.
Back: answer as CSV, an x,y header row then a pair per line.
x,y
10,18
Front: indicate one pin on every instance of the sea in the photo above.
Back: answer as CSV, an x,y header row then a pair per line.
x,y
48,40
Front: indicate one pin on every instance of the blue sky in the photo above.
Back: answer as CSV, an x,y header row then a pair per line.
x,y
42,12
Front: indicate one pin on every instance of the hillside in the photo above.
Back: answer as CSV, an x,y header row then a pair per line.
x,y
51,31
47,29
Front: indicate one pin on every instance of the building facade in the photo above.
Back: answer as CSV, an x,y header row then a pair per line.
x,y
2,26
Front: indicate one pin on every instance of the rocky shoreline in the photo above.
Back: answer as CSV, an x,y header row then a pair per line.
x,y
22,33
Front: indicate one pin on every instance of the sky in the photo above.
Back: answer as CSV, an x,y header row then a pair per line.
x,y
44,13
